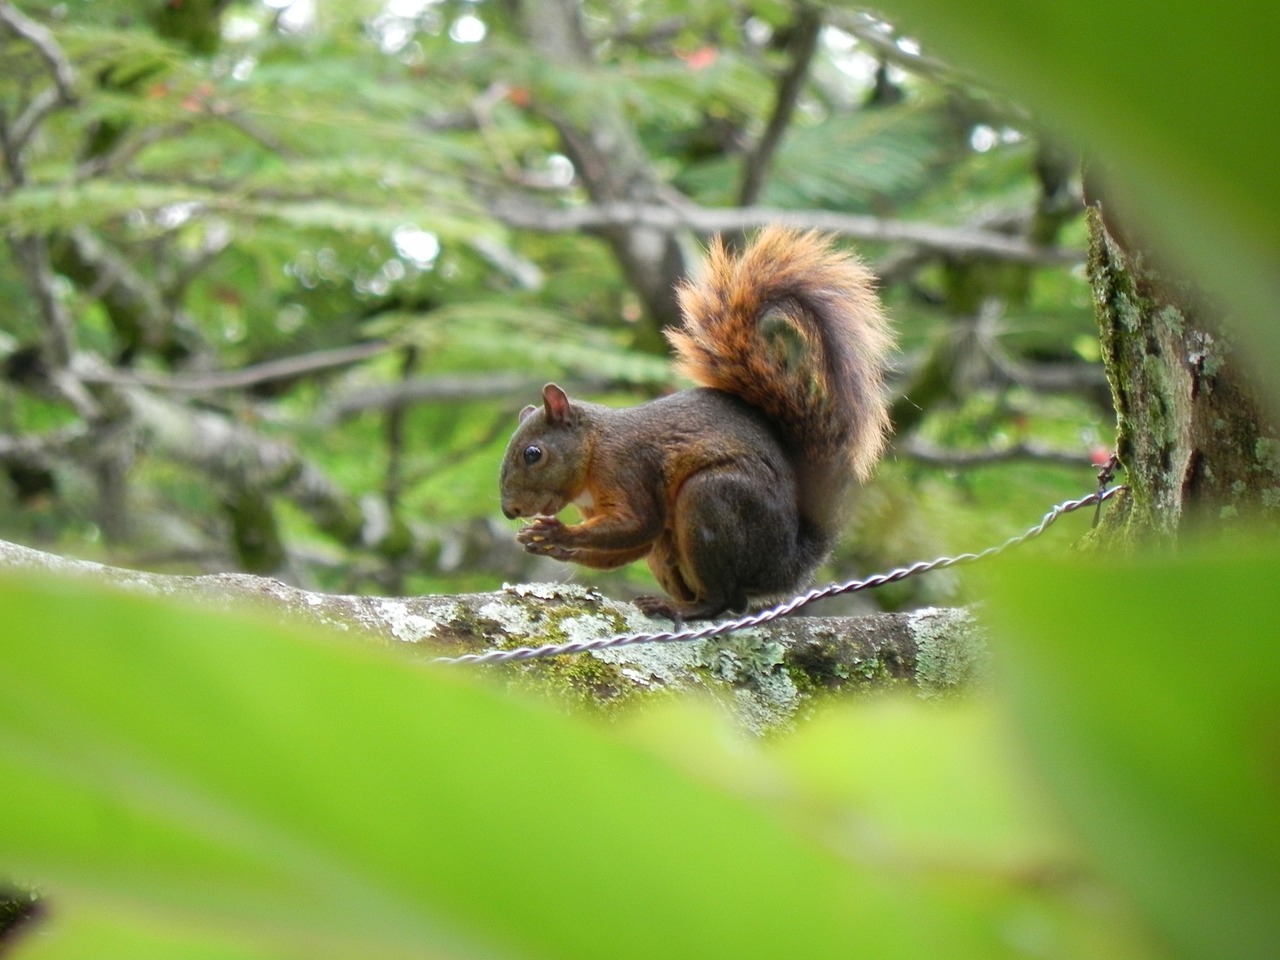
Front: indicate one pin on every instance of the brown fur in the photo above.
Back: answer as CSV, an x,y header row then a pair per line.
x,y
827,400
731,491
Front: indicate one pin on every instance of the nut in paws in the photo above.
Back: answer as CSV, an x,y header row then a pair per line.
x,y
540,530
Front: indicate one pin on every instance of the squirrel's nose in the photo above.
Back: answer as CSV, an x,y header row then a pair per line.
x,y
509,511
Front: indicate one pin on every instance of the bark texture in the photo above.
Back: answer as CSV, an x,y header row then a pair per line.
x,y
765,676
1197,441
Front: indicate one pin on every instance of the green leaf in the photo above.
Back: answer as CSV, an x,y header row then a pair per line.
x,y
91,931
1150,695
932,790
212,771
1173,97
939,783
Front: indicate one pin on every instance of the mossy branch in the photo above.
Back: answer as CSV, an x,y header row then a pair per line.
x,y
765,675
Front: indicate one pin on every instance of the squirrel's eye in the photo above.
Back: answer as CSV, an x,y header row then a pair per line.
x,y
532,454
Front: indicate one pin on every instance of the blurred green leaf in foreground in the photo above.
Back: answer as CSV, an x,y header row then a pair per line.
x,y
1149,695
210,785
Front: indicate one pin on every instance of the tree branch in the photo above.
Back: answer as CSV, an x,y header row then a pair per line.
x,y
935,456
59,342
239,457
254,375
878,36
437,389
766,675
40,448
804,42
64,76
954,241
1088,379
139,314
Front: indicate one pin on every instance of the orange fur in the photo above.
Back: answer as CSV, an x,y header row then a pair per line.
x,y
832,405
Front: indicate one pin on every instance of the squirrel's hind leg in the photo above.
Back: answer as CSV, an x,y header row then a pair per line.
x,y
684,602
731,537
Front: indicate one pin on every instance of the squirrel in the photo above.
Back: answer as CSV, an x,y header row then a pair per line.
x,y
732,490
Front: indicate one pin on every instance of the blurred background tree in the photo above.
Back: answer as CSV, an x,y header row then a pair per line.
x,y
279,274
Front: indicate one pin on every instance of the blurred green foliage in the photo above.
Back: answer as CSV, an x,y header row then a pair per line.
x,y
1148,692
185,784
179,781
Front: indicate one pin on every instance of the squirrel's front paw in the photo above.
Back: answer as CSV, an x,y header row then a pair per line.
x,y
540,538
540,530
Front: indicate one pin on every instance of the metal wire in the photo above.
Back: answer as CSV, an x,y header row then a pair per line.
x,y
787,607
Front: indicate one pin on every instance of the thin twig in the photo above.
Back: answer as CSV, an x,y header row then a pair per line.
x,y
127,149
436,389
60,338
935,456
258,134
804,42
251,376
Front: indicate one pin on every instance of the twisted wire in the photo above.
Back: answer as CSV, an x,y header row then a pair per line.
x,y
787,607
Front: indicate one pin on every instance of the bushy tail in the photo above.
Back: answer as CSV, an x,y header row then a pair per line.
x,y
794,328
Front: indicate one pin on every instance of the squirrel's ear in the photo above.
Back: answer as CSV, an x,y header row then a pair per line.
x,y
524,414
556,402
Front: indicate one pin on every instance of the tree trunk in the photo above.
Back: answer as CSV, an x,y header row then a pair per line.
x,y
1198,445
